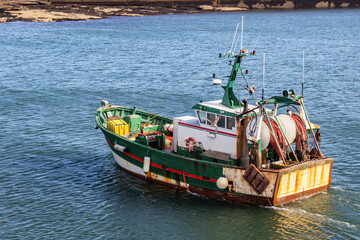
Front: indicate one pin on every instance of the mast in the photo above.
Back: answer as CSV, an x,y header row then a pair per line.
x,y
229,98
263,83
303,73
242,28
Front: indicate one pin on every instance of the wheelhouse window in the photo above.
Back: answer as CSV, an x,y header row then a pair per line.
x,y
211,117
230,123
221,122
202,117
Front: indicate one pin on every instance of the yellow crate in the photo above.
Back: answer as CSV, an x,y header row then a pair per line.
x,y
119,127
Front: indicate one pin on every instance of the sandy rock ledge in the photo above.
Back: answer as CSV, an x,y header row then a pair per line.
x,y
76,10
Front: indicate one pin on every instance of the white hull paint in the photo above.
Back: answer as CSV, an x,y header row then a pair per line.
x,y
128,166
139,171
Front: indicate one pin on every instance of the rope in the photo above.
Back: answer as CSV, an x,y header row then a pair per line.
x,y
300,125
278,136
187,188
152,117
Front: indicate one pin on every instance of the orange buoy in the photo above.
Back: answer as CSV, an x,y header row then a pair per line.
x,y
190,143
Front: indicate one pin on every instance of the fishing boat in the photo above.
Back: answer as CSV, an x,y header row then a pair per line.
x,y
264,154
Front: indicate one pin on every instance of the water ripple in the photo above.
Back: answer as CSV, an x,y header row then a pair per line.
x,y
58,179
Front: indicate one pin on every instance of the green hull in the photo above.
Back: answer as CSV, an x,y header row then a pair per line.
x,y
197,172
200,176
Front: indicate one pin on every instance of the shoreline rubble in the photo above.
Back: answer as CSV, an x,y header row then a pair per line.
x,y
47,11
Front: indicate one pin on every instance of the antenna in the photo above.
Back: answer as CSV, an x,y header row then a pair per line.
x,y
237,40
258,39
234,37
242,29
263,86
302,85
226,44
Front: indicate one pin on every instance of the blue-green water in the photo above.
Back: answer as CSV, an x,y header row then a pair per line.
x,y
58,179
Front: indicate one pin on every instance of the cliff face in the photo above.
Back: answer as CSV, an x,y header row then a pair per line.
x,y
298,4
74,10
210,5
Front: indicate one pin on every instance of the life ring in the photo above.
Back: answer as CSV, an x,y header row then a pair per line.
x,y
190,143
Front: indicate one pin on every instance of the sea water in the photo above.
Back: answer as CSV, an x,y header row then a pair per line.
x,y
58,179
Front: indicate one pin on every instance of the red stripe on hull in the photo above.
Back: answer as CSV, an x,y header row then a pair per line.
x,y
168,169
247,199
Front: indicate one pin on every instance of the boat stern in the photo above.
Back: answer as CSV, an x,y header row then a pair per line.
x,y
303,180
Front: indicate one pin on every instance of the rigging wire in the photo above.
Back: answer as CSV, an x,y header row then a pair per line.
x,y
238,87
303,74
247,84
228,38
237,26
294,108
242,30
236,45
263,83
257,40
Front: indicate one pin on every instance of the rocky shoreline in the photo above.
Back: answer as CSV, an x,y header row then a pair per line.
x,y
46,11
41,11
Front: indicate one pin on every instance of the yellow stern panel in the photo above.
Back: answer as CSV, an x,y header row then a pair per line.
x,y
305,178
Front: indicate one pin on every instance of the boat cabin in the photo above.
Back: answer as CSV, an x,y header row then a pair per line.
x,y
211,135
